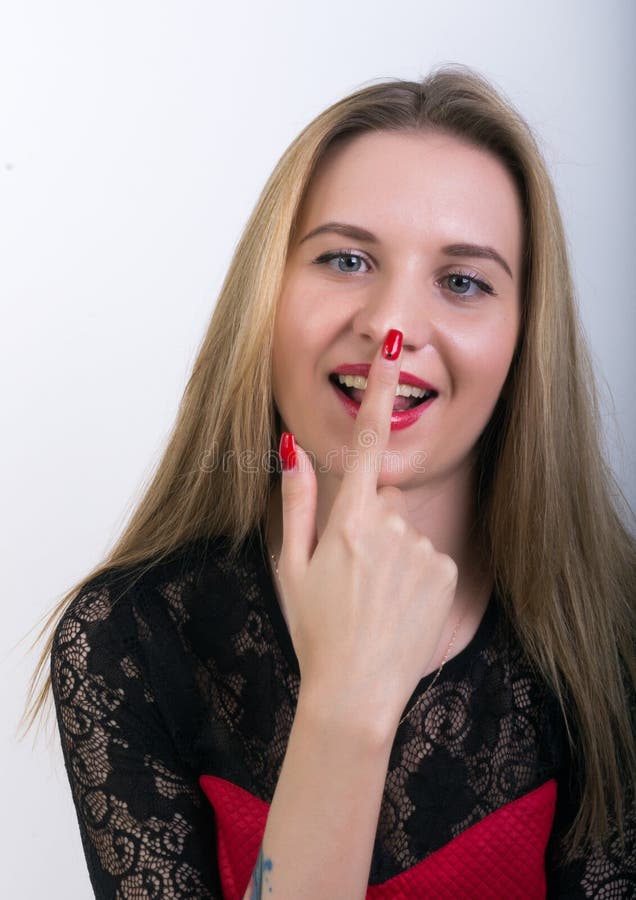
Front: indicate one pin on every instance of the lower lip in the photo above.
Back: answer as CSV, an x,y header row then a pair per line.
x,y
399,420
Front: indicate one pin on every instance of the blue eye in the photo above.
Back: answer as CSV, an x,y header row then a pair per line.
x,y
346,262
457,283
463,281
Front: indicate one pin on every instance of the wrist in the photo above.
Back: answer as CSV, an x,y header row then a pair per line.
x,y
342,716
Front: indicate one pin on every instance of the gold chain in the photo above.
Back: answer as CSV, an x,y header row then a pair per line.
x,y
437,674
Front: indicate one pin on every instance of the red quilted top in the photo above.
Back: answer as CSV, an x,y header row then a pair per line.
x,y
502,856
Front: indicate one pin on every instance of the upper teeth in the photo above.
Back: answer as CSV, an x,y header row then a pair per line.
x,y
360,382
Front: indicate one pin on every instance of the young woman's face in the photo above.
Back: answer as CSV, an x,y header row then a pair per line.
x,y
383,243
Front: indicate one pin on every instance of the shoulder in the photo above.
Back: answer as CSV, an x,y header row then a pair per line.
x,y
104,620
143,616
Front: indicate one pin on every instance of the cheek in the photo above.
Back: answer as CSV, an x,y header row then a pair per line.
x,y
286,328
306,322
484,357
295,343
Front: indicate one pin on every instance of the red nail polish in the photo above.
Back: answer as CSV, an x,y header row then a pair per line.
x,y
392,344
287,450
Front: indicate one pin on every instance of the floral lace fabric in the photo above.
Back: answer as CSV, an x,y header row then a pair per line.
x,y
186,668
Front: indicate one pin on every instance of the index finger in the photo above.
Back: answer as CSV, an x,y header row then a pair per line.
x,y
372,428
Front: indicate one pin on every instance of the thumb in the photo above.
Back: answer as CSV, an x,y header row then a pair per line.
x,y
299,496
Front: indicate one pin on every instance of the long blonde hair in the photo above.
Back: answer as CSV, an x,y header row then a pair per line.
x,y
563,560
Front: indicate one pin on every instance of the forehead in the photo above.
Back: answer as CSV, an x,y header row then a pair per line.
x,y
429,186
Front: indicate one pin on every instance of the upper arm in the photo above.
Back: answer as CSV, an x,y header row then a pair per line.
x,y
146,828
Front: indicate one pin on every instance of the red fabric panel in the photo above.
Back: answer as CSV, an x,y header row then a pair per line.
x,y
502,856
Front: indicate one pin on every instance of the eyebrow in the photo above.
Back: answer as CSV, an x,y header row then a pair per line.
x,y
352,231
476,251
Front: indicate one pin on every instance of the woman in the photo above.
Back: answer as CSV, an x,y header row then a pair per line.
x,y
407,660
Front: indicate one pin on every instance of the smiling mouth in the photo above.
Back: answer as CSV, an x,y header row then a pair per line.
x,y
401,401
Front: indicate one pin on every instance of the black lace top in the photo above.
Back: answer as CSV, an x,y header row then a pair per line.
x,y
187,668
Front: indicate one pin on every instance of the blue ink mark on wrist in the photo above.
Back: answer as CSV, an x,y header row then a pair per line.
x,y
258,876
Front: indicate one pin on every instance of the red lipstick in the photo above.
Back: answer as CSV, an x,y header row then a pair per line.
x,y
399,420
363,369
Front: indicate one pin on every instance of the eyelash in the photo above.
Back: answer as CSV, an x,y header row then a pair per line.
x,y
483,286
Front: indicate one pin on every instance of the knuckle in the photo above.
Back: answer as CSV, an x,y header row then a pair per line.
x,y
424,545
396,524
351,533
293,499
391,495
448,568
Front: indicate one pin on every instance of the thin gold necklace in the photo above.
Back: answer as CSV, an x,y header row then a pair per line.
x,y
437,674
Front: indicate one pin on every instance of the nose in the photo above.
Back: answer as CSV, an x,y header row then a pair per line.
x,y
400,302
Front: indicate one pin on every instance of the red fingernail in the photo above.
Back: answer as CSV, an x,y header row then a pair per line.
x,y
287,450
392,344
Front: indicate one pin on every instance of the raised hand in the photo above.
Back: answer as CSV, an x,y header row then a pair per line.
x,y
367,603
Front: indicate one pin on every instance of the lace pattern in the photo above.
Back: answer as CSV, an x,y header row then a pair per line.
x,y
188,669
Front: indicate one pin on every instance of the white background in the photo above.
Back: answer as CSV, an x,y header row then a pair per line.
x,y
135,137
